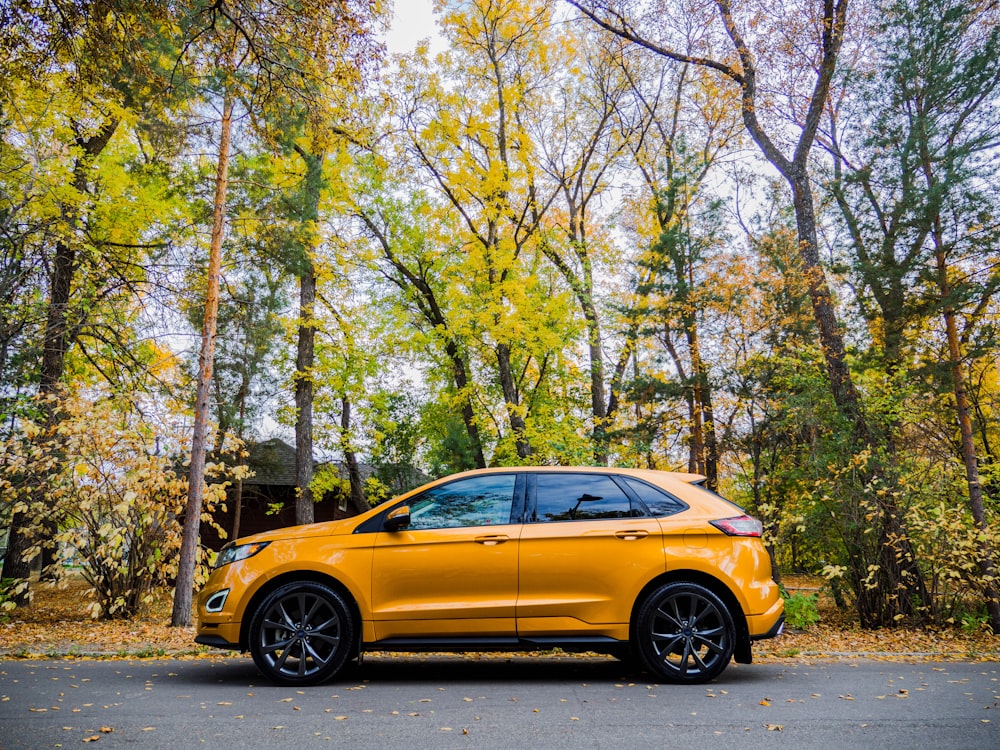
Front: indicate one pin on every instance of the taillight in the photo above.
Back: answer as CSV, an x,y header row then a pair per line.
x,y
739,526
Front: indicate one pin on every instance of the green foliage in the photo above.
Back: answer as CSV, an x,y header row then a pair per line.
x,y
326,480
976,622
801,610
376,491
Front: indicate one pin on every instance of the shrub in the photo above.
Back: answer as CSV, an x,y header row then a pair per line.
x,y
105,486
801,610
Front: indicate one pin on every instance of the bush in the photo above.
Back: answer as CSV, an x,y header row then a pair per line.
x,y
104,487
801,610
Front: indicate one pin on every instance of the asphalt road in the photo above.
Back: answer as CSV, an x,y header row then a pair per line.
x,y
525,702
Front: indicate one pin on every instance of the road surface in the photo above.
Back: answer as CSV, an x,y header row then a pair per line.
x,y
524,702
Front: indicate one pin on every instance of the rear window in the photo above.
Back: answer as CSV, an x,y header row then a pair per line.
x,y
659,502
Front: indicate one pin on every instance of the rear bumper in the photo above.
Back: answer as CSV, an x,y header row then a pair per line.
x,y
770,624
774,632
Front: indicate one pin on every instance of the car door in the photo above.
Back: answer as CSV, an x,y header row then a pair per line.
x,y
453,570
586,551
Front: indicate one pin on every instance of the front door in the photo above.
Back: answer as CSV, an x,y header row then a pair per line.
x,y
453,571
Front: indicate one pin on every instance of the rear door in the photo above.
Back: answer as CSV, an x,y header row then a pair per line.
x,y
586,551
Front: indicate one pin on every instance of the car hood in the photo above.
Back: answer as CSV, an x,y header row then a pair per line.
x,y
325,528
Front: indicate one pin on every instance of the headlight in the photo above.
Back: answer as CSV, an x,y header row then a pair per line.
x,y
231,554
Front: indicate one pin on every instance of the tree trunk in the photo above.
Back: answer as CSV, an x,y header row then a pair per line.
x,y
987,565
305,356
510,393
356,496
237,509
304,512
184,587
460,372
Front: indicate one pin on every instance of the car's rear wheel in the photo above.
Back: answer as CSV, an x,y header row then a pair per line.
x,y
301,634
684,633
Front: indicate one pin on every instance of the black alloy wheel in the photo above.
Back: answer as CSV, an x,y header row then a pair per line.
x,y
302,634
684,633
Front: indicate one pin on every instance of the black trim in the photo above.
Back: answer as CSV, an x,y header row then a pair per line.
x,y
373,524
599,644
531,497
216,641
519,507
778,629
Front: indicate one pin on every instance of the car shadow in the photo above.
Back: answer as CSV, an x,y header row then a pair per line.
x,y
388,669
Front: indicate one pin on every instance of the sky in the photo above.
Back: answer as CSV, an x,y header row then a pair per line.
x,y
414,20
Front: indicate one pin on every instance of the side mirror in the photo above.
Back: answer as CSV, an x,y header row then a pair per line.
x,y
397,518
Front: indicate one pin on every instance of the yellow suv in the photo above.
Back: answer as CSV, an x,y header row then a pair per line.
x,y
629,562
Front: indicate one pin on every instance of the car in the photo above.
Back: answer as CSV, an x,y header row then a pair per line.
x,y
646,565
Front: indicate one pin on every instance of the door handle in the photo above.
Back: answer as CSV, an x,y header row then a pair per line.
x,y
491,540
632,534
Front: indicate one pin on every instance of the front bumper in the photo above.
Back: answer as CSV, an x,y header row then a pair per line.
x,y
216,641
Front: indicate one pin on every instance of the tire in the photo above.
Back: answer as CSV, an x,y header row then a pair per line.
x,y
684,633
302,634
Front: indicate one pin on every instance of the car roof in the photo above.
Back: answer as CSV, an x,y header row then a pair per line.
x,y
647,473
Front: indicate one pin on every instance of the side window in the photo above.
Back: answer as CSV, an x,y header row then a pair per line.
x,y
477,501
659,502
579,497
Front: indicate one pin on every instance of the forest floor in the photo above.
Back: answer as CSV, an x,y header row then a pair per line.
x,y
56,624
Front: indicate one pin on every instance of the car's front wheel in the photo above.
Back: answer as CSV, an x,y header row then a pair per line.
x,y
301,634
684,633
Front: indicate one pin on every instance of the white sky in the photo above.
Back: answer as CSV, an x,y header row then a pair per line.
x,y
413,21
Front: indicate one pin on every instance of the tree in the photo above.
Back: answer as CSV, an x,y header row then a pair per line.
x,y
468,132
684,128
948,83
582,144
85,67
812,56
261,53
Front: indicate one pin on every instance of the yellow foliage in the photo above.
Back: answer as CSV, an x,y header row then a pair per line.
x,y
105,487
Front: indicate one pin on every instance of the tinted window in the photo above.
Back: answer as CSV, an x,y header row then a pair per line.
x,y
477,501
658,501
579,497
